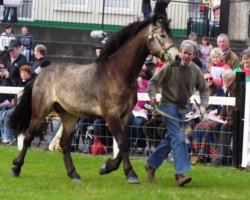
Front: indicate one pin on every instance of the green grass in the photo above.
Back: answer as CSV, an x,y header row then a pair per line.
x,y
44,177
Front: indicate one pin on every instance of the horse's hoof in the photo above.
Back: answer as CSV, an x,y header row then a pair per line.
x,y
133,180
103,170
15,172
76,180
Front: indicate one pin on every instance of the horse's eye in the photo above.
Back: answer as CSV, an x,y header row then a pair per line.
x,y
163,36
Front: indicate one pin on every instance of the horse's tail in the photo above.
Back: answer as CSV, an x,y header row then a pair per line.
x,y
20,119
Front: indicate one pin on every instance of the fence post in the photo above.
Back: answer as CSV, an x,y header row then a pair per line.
x,y
238,123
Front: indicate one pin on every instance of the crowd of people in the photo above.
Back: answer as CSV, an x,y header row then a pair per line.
x,y
200,68
17,69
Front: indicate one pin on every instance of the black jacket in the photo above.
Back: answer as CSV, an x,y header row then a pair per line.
x,y
13,68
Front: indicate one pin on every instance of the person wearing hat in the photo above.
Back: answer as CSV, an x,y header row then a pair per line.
x,y
16,59
6,37
8,137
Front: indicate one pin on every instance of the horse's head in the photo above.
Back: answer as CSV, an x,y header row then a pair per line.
x,y
160,43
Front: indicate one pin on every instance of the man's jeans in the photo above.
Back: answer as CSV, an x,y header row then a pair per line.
x,y
174,140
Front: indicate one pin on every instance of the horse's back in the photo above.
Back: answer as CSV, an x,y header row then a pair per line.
x,y
70,85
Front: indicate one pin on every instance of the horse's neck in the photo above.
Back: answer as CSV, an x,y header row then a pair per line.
x,y
134,53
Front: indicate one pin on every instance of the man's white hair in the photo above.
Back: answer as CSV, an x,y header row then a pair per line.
x,y
189,44
228,74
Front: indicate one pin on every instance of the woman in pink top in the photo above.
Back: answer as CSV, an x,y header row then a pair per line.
x,y
205,49
217,66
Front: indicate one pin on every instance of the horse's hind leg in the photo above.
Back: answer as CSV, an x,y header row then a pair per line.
x,y
121,137
69,123
18,162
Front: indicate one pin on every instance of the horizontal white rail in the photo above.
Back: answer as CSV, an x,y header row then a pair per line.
x,y
10,90
213,100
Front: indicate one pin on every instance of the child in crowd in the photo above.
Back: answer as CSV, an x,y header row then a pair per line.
x,y
217,66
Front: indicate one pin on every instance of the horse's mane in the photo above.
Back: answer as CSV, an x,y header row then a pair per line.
x,y
128,32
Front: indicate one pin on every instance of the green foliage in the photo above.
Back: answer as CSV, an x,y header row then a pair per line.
x,y
44,177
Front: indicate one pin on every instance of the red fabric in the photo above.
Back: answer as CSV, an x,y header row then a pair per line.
x,y
97,147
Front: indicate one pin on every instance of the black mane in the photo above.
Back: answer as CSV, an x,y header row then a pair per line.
x,y
128,32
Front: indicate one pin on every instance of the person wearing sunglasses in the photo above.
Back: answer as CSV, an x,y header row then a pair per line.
x,y
203,148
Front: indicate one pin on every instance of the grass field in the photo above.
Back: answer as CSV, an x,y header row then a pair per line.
x,y
44,177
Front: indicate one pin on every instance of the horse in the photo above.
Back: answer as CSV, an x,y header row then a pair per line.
x,y
105,88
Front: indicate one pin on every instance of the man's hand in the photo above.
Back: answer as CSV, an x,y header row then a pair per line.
x,y
153,102
203,113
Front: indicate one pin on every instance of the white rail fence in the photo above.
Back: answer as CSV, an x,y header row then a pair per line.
x,y
212,101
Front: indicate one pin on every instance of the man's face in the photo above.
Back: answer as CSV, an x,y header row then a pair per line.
x,y
14,53
223,43
187,55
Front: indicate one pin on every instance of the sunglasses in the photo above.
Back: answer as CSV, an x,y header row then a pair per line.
x,y
209,79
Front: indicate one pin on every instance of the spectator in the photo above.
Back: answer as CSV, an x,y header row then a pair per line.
x,y
229,56
205,49
40,59
15,61
8,136
223,132
12,11
27,43
139,117
217,66
245,64
5,99
193,37
188,76
161,8
146,9
203,138
6,37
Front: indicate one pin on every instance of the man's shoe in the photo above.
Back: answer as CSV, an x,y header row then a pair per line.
x,y
151,173
181,180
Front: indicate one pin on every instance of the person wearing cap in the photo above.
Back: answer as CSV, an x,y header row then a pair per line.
x,y
177,81
14,62
8,136
6,37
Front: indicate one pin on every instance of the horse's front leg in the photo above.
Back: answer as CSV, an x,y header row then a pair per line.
x,y
121,136
19,161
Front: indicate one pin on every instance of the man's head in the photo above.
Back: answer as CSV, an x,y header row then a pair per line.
x,y
13,49
228,77
8,29
223,42
187,51
40,51
24,30
192,36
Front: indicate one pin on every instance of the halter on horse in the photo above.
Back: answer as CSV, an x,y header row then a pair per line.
x,y
105,88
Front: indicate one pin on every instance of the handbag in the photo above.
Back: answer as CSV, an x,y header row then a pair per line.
x,y
12,3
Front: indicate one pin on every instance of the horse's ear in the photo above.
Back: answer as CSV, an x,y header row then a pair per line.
x,y
154,19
